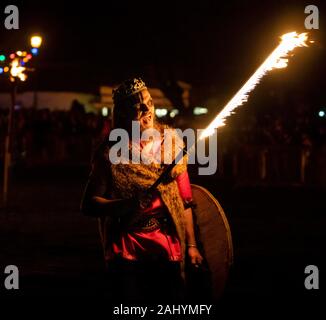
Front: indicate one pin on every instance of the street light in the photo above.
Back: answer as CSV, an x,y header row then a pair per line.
x,y
16,69
36,41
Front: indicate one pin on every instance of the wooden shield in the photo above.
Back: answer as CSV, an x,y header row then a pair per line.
x,y
214,241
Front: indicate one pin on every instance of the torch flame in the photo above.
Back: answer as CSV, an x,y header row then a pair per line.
x,y
277,59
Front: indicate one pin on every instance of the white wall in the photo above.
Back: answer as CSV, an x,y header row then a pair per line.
x,y
158,96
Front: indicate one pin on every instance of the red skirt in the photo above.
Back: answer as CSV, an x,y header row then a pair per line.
x,y
159,243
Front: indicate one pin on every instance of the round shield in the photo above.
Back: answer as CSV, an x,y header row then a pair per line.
x,y
213,236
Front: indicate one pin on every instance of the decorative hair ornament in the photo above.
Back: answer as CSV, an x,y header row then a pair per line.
x,y
128,88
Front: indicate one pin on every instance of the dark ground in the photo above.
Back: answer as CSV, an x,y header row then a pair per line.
x,y
277,231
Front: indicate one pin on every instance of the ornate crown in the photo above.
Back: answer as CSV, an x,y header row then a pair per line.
x,y
128,88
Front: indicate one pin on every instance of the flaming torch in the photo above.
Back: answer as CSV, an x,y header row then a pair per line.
x,y
277,59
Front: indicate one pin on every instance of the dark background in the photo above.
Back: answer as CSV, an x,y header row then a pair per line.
x,y
213,45
278,227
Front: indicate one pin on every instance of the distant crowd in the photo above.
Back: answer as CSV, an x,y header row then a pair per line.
x,y
42,136
267,142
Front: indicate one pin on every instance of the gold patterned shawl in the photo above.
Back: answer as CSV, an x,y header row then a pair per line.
x,y
128,180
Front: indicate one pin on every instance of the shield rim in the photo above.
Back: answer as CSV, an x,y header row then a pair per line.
x,y
225,221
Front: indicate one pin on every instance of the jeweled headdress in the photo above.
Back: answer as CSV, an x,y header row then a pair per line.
x,y
127,88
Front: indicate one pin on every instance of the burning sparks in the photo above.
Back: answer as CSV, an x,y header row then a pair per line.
x,y
277,59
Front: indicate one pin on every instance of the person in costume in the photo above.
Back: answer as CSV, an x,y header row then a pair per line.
x,y
146,237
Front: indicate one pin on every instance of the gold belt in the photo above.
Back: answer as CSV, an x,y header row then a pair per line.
x,y
150,223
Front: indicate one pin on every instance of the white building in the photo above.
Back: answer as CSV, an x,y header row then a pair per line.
x,y
158,96
62,100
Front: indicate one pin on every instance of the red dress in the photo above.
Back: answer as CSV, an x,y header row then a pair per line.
x,y
162,243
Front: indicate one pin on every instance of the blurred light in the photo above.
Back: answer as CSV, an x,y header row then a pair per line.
x,y
29,56
321,113
19,53
1,70
34,51
12,56
2,57
105,111
5,69
24,53
161,112
36,41
17,71
199,110
174,112
25,60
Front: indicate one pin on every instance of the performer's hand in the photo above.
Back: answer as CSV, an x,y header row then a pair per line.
x,y
195,257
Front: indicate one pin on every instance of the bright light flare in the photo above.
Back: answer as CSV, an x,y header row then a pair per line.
x,y
277,59
17,71
105,111
161,112
36,41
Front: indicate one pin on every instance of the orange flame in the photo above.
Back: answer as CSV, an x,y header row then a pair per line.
x,y
277,59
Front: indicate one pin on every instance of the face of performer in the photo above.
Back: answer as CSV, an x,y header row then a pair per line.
x,y
145,108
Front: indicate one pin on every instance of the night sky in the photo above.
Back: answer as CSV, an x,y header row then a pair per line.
x,y
211,45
